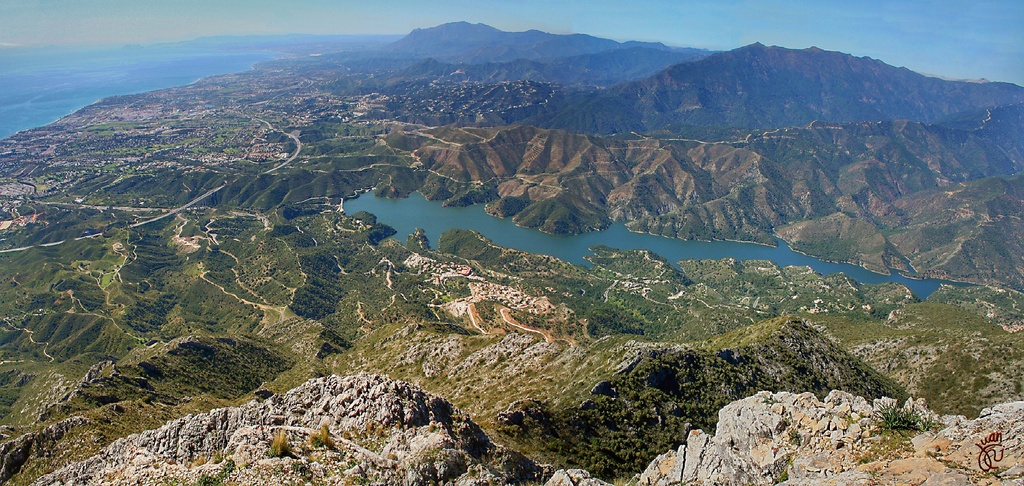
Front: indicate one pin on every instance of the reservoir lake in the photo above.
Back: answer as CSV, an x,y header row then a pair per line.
x,y
41,85
405,215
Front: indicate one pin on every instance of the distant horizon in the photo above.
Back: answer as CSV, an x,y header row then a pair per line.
x,y
960,39
395,37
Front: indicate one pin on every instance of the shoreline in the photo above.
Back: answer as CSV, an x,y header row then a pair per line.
x,y
921,286
199,68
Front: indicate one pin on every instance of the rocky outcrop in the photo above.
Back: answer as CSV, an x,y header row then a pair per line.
x,y
16,452
574,477
773,438
378,430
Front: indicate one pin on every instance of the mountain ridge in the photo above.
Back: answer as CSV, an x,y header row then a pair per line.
x,y
474,43
115,319
769,87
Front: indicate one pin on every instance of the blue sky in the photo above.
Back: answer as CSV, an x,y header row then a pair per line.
x,y
955,38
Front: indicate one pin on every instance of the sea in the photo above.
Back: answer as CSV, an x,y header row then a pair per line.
x,y
40,85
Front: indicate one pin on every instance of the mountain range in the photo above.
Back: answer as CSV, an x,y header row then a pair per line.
x,y
768,87
478,43
755,86
184,298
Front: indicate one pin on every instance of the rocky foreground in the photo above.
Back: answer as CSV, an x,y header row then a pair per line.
x,y
378,431
795,439
370,429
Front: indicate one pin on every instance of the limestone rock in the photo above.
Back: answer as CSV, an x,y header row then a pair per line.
x,y
14,453
384,431
574,477
795,439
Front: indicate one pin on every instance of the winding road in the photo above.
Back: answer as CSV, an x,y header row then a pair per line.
x,y
507,316
298,147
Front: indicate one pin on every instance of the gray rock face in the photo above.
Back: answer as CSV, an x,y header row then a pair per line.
x,y
14,453
798,440
384,431
574,477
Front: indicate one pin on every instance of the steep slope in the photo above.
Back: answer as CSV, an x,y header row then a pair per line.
x,y
879,194
643,396
968,231
783,438
354,428
760,86
657,395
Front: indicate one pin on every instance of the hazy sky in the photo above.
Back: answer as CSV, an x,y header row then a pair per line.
x,y
956,38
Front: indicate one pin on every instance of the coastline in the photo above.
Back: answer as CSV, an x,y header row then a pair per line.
x,y
40,95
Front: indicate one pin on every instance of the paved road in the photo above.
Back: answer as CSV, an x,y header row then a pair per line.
x,y
298,147
180,208
55,243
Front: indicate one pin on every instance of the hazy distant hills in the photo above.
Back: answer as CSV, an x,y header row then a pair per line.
x,y
479,43
761,86
597,69
650,86
461,52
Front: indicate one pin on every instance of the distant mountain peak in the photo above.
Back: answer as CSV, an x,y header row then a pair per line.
x,y
478,43
460,25
770,86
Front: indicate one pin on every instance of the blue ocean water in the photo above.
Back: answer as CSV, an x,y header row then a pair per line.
x,y
40,85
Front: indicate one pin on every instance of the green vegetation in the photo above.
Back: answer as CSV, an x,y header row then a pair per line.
x,y
956,360
1004,307
216,304
897,419
264,283
651,404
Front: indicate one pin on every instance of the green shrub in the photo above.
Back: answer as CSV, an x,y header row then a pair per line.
x,y
896,418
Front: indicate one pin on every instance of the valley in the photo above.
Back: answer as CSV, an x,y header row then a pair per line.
x,y
587,246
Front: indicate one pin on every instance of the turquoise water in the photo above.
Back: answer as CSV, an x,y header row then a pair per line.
x,y
405,215
40,85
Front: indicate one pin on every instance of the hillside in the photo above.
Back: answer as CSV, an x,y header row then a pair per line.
x,y
178,301
877,194
369,428
183,274
766,87
959,362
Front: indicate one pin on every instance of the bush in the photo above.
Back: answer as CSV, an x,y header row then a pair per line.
x,y
322,439
279,446
895,418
